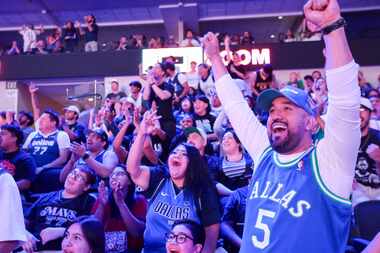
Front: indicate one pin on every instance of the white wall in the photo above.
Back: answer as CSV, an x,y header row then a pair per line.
x,y
8,97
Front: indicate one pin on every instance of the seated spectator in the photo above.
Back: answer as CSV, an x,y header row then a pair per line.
x,y
367,180
29,36
115,91
236,70
233,219
40,48
25,121
235,166
192,76
50,149
160,93
94,154
71,125
197,137
247,39
295,80
53,212
316,75
262,79
194,197
186,236
289,36
178,81
123,44
189,40
14,50
123,213
308,83
202,116
319,95
12,229
3,118
153,43
365,87
160,42
138,41
135,94
70,37
186,122
90,33
53,41
15,161
85,235
171,43
186,107
207,80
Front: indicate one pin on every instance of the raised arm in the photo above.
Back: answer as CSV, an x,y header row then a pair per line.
x,y
140,174
35,103
248,128
337,151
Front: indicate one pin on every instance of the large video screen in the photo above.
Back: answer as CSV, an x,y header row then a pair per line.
x,y
183,56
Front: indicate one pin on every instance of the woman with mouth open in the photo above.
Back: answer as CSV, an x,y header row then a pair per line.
x,y
183,191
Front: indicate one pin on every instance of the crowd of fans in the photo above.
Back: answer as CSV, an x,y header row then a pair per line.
x,y
73,36
154,161
157,167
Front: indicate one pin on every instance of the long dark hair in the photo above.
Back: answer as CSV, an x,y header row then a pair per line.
x,y
93,231
197,178
129,199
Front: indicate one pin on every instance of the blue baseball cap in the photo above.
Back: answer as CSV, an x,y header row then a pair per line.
x,y
297,96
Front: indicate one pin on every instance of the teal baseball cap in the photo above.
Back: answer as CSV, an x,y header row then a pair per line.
x,y
297,96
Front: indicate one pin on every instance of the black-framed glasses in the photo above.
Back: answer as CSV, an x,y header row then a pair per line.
x,y
178,238
77,176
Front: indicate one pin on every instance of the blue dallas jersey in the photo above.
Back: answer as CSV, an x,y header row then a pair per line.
x,y
290,210
44,149
165,208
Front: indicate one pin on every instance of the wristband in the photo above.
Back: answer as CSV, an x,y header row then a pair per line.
x,y
334,26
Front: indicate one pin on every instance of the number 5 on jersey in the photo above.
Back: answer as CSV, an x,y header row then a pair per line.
x,y
261,225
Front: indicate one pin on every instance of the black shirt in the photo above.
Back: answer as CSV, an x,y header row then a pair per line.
x,y
366,171
206,122
19,164
92,35
239,68
79,131
164,107
53,210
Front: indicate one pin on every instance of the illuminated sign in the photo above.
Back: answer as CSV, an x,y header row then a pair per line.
x,y
183,57
252,56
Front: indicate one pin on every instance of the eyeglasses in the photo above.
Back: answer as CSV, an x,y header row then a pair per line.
x,y
180,153
118,174
77,176
179,238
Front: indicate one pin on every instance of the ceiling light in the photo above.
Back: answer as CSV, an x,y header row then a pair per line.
x,y
272,36
280,17
43,11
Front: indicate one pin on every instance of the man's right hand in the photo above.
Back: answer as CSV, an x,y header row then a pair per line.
x,y
211,45
321,13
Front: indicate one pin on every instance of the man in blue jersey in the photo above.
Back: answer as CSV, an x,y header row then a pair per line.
x,y
50,149
298,197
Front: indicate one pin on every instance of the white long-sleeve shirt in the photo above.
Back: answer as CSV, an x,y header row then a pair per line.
x,y
336,152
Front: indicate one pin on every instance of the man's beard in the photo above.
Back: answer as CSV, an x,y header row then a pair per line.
x,y
285,144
